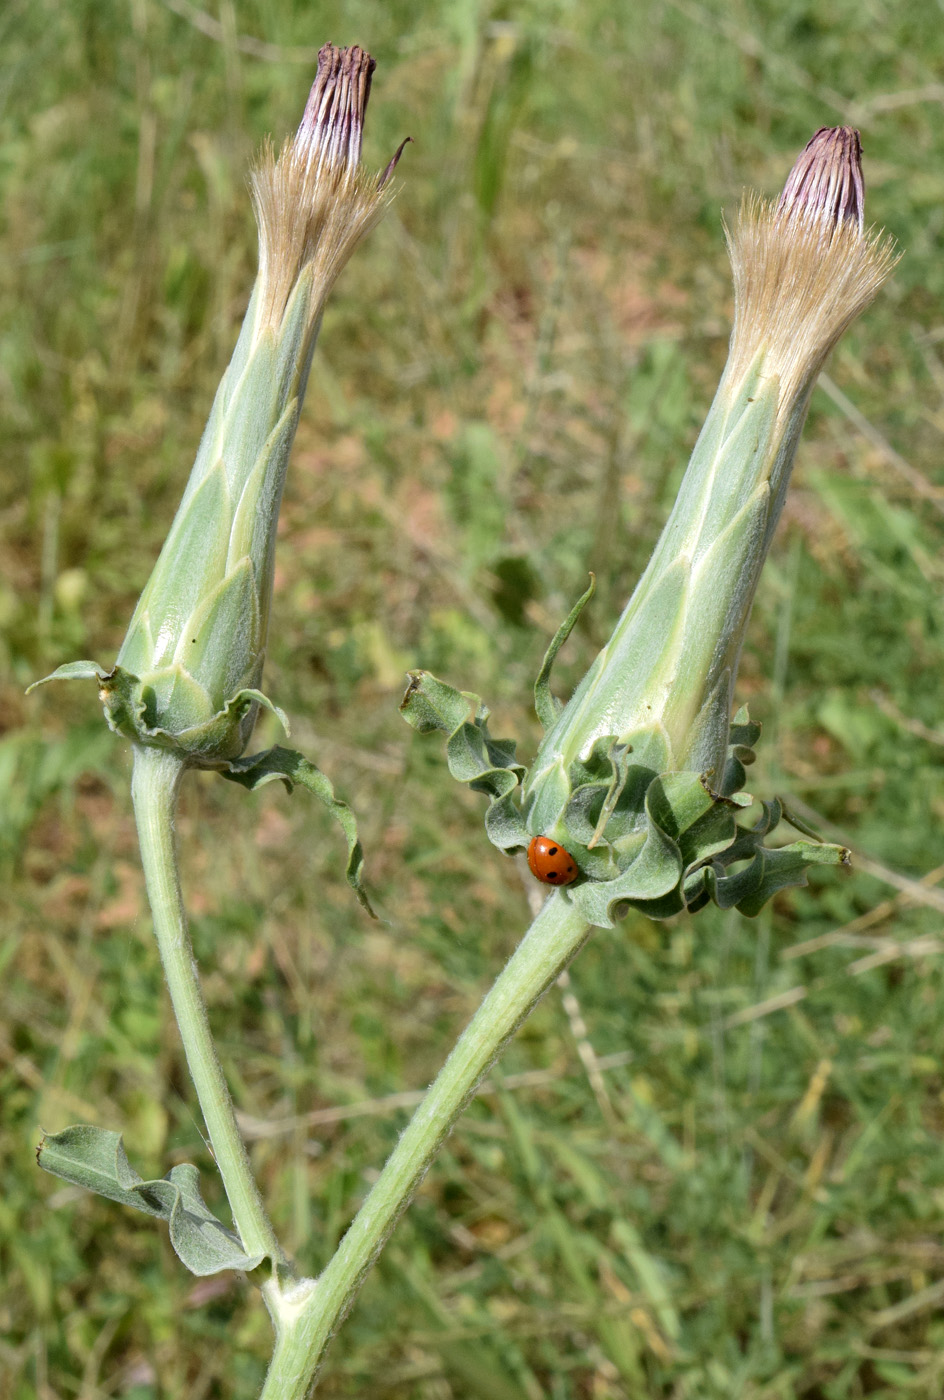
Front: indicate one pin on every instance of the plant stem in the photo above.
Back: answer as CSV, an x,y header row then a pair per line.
x,y
307,1318
154,787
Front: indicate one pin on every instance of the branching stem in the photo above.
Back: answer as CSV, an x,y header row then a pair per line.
x,y
307,1312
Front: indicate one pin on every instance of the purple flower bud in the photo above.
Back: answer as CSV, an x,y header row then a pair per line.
x,y
826,181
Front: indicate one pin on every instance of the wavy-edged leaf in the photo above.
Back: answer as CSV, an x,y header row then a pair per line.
x,y
95,1158
290,768
657,841
474,757
505,826
430,704
767,869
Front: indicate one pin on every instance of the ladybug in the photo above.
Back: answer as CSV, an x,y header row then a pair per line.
x,y
550,863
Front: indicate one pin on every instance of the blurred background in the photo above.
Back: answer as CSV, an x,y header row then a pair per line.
x,y
711,1165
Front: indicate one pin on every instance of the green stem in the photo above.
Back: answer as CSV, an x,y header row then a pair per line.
x,y
307,1317
154,788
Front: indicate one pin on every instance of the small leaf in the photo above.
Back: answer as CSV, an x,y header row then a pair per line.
x,y
215,742
677,800
96,1159
245,697
651,880
734,776
73,671
485,764
291,768
744,730
429,704
769,872
548,799
547,706
618,755
786,866
769,869
123,703
505,826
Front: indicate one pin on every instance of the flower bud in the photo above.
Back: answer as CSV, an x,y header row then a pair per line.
x,y
189,669
658,697
638,779
803,270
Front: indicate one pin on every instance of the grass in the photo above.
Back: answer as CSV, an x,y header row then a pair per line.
x,y
712,1165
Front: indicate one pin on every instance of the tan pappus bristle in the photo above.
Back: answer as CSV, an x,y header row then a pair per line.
x,y
798,284
313,204
308,212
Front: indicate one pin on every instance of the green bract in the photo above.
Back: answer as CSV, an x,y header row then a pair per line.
x,y
639,776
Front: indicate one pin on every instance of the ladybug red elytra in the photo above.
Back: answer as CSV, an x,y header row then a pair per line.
x,y
549,862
